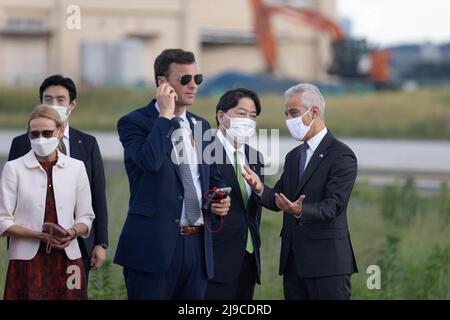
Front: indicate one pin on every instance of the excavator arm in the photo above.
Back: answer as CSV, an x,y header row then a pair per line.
x,y
347,52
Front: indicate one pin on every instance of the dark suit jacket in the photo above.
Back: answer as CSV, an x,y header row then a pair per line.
x,y
83,147
229,244
320,239
148,239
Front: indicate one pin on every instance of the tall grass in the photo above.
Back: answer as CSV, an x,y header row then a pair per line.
x,y
403,230
424,114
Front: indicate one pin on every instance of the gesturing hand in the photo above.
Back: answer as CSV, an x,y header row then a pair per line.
x,y
286,205
252,179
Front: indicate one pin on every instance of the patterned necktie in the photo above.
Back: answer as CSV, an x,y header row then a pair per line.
x,y
191,205
244,193
301,170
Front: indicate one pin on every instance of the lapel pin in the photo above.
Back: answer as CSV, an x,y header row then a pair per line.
x,y
321,155
79,141
194,121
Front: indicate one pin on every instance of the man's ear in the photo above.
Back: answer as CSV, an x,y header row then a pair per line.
x,y
316,111
219,116
161,80
73,105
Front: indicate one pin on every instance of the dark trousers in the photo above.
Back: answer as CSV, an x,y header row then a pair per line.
x,y
326,288
86,258
185,279
241,289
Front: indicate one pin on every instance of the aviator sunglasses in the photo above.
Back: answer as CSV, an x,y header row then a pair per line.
x,y
187,78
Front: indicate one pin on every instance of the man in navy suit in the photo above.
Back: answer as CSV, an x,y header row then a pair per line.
x,y
165,245
237,263
60,93
317,258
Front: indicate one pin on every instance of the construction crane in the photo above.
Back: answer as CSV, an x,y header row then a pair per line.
x,y
351,58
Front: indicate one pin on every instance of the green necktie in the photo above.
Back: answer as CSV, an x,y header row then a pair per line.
x,y
240,179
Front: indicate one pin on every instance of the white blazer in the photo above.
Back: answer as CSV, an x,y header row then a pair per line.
x,y
23,189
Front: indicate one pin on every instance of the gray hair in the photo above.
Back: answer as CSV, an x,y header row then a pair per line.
x,y
309,96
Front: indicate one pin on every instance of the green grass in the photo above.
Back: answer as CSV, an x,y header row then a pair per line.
x,y
411,246
424,114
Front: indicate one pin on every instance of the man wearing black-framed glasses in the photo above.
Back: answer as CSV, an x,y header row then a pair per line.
x,y
165,246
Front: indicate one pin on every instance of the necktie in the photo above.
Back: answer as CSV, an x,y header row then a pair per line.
x,y
191,205
301,170
62,146
240,179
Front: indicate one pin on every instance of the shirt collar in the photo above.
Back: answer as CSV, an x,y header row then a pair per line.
x,y
314,142
66,131
229,147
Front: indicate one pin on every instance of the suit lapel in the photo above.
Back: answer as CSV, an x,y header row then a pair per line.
x,y
153,114
319,154
76,145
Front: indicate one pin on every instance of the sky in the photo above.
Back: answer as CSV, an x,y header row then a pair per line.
x,y
387,22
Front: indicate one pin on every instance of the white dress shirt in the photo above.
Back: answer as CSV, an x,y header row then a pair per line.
x,y
192,159
229,149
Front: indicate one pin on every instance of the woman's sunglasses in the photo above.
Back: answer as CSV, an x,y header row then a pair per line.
x,y
187,78
45,133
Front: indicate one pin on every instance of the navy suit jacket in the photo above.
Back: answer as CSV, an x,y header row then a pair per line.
x,y
231,241
319,239
83,147
148,239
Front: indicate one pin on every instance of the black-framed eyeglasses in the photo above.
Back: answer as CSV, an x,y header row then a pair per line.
x,y
45,133
187,78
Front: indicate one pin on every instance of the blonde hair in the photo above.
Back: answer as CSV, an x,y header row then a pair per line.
x,y
43,111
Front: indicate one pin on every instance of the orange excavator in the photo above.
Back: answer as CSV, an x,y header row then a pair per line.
x,y
351,58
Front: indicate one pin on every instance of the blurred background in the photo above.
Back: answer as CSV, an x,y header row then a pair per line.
x,y
383,66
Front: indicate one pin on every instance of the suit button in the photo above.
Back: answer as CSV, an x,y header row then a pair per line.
x,y
177,221
180,197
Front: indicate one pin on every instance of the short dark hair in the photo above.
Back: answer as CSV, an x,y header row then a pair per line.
x,y
58,80
231,98
168,56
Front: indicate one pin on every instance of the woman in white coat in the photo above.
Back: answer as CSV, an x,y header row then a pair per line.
x,y
45,186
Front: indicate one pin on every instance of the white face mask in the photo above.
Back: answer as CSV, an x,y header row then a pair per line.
x,y
297,128
63,112
44,146
241,129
